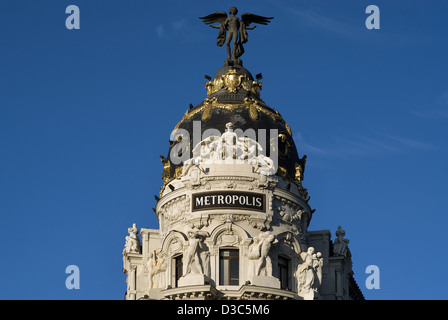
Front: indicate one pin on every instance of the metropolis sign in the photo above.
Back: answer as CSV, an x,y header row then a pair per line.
x,y
229,200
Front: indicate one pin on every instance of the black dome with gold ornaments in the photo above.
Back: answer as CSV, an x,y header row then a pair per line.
x,y
234,96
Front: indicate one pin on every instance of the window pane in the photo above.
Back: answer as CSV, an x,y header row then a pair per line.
x,y
283,269
234,272
224,274
233,253
178,269
229,267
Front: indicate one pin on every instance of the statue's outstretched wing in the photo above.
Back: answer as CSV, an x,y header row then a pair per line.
x,y
248,18
219,16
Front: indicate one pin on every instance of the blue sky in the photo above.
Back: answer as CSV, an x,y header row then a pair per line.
x,y
85,114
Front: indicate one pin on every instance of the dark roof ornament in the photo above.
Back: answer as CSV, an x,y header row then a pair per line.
x,y
233,30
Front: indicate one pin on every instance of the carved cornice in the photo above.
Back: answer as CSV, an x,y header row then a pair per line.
x,y
246,292
205,292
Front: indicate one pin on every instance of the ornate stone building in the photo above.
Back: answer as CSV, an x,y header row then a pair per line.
x,y
233,212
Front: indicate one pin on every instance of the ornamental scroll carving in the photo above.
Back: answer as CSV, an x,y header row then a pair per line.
x,y
175,210
287,210
228,237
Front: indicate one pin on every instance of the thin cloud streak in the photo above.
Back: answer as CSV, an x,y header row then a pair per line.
x,y
439,109
316,20
355,30
181,29
361,145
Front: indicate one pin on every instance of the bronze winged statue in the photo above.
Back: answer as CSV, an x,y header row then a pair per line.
x,y
233,29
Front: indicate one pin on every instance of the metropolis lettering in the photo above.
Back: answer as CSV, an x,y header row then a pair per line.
x,y
229,200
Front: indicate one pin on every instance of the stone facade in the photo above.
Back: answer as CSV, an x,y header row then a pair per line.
x,y
233,213
230,229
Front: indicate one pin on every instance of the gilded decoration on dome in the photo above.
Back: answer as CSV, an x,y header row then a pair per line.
x,y
232,81
253,107
212,103
208,108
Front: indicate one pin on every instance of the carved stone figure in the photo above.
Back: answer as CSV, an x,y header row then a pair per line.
x,y
318,263
305,272
233,29
157,274
150,264
196,260
232,149
340,245
254,255
228,144
249,150
309,274
260,262
205,260
132,244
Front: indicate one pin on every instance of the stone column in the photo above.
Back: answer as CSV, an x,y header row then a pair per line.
x,y
132,281
338,283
